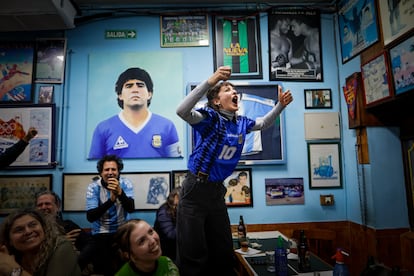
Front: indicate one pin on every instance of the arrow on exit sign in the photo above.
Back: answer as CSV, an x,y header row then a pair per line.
x,y
120,34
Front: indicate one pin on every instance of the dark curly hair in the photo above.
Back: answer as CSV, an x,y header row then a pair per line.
x,y
107,158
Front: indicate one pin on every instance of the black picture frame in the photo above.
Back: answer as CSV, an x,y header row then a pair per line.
x,y
239,194
40,153
50,60
177,178
358,27
273,150
237,44
325,165
301,59
19,191
318,98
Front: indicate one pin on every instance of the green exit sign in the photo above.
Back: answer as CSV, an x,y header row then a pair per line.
x,y
120,34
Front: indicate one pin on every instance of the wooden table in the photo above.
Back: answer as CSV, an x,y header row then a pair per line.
x,y
255,265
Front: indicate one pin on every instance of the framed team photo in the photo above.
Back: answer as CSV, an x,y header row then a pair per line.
x,y
295,52
237,44
184,31
358,27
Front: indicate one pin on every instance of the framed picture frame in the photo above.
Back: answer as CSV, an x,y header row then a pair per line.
x,y
74,189
358,27
402,60
376,80
318,98
19,191
237,44
408,158
256,99
284,191
151,189
16,72
40,153
239,187
178,178
184,31
324,160
396,19
298,33
50,60
45,94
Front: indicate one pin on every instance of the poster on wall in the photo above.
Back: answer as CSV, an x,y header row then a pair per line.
x,y
402,65
16,72
121,122
284,191
237,44
50,60
358,27
295,45
15,120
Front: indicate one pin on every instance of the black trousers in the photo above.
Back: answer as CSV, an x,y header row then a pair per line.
x,y
100,252
204,241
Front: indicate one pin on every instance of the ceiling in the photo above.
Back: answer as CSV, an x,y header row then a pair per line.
x,y
30,15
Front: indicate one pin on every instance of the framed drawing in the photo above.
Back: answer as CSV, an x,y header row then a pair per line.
x,y
396,19
295,45
184,31
75,186
324,160
16,120
16,72
318,98
50,60
19,191
402,65
237,44
45,94
358,27
261,147
178,178
376,80
284,191
239,187
151,189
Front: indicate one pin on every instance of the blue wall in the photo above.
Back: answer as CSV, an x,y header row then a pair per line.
x,y
71,100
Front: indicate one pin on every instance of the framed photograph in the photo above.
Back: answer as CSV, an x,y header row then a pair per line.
x,y
184,31
402,66
178,178
284,191
75,187
50,60
45,94
16,72
261,147
239,188
318,98
237,44
19,191
324,161
295,45
16,120
396,19
376,80
358,27
151,189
